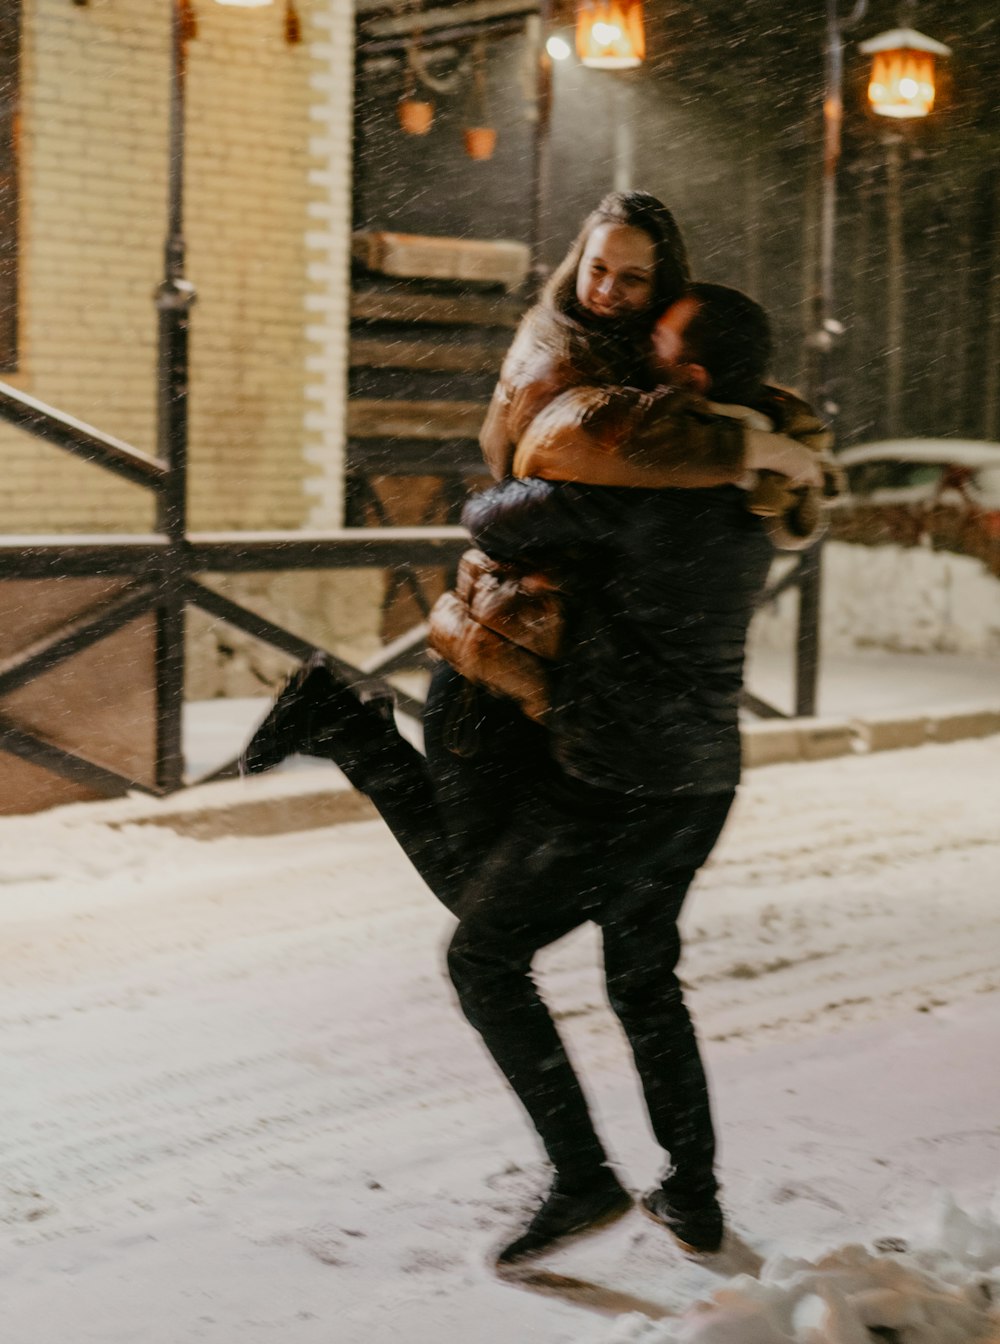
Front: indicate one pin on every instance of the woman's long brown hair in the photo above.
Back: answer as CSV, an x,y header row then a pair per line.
x,y
636,210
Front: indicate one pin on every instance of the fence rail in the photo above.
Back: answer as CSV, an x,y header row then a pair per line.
x,y
164,573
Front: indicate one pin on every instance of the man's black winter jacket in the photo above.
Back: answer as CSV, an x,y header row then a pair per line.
x,y
663,585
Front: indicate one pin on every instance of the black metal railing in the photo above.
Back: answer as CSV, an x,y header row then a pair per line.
x,y
163,572
803,576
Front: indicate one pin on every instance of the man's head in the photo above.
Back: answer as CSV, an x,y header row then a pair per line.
x,y
716,340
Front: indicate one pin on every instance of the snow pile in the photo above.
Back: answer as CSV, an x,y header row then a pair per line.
x,y
901,598
947,1292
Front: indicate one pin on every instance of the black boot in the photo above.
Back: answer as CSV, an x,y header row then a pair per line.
x,y
696,1224
567,1212
361,737
320,714
291,721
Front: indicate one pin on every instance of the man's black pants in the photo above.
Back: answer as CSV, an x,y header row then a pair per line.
x,y
446,810
572,853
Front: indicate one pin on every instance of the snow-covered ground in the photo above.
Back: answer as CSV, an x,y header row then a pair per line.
x,y
239,1104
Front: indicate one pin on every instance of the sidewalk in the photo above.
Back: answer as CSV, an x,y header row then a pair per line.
x,y
876,682
851,686
905,698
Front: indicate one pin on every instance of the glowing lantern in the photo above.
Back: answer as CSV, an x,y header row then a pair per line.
x,y
902,78
610,34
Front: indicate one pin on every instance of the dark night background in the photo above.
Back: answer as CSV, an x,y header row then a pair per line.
x,y
725,118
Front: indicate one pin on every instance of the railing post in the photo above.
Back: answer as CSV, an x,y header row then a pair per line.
x,y
808,643
174,298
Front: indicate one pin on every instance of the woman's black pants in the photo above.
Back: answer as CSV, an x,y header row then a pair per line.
x,y
569,854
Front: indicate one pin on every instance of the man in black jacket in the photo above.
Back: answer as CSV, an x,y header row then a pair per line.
x,y
646,759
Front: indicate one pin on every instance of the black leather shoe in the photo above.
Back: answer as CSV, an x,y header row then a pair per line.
x,y
289,723
564,1216
698,1229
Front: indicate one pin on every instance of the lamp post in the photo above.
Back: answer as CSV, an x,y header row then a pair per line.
x,y
822,337
902,88
610,35
541,147
174,298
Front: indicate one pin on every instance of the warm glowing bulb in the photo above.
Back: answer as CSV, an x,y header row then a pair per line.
x,y
902,78
609,34
557,48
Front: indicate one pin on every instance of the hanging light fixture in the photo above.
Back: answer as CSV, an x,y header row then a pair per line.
x,y
479,136
610,34
414,114
902,80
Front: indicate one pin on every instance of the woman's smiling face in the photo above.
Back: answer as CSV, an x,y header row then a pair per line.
x,y
615,275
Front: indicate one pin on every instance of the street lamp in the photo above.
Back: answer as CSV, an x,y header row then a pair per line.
x,y
902,88
902,79
610,34
825,329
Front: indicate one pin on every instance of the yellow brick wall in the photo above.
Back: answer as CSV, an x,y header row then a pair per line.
x,y
267,226
93,155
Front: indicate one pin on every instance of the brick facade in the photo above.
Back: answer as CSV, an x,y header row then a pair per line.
x,y
267,207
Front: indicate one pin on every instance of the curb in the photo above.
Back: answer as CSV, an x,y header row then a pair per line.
x,y
275,804
310,799
781,741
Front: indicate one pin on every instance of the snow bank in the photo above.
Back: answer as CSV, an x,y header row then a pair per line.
x,y
903,599
943,1290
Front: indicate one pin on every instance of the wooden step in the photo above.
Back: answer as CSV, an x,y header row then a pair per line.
x,y
375,305
371,418
470,356
415,256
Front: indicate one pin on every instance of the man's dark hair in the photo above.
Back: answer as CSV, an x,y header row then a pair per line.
x,y
731,336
